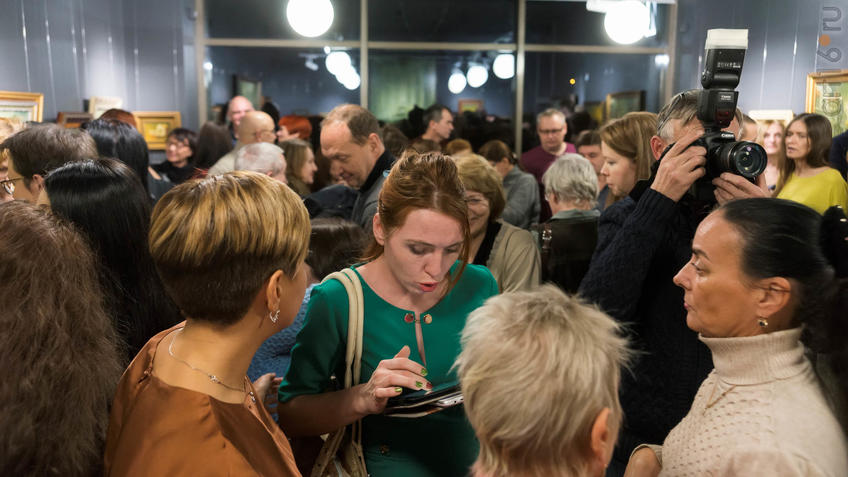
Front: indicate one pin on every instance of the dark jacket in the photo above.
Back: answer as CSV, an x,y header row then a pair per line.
x,y
643,241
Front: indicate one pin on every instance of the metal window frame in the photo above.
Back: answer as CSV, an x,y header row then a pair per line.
x,y
520,48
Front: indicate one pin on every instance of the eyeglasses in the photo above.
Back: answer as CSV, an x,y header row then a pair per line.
x,y
549,131
9,185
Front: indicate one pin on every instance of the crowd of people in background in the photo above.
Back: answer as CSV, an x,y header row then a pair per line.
x,y
599,317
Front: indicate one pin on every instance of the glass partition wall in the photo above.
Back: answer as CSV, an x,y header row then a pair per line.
x,y
494,62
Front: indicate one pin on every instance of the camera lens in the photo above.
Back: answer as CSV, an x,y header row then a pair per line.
x,y
744,158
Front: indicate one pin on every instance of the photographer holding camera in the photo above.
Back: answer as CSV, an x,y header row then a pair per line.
x,y
643,240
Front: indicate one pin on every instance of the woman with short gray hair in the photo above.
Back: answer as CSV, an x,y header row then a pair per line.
x,y
568,239
553,411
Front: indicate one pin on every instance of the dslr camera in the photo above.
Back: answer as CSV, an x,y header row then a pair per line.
x,y
725,53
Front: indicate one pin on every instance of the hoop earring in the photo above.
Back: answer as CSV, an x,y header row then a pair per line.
x,y
762,322
274,316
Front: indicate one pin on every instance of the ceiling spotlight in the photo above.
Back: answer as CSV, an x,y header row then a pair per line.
x,y
336,61
627,21
456,82
504,66
348,77
310,18
352,81
477,75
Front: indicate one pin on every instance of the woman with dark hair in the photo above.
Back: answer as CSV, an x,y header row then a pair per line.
x,y
213,142
178,166
230,251
806,175
417,291
104,199
766,288
60,357
334,244
117,139
300,165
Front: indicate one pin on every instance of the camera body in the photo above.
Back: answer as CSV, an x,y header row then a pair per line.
x,y
725,54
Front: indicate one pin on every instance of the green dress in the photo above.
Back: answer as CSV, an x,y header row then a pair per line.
x,y
441,444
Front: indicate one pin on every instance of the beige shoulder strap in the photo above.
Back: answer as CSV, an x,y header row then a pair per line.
x,y
353,356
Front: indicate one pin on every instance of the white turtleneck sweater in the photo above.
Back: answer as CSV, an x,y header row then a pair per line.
x,y
761,411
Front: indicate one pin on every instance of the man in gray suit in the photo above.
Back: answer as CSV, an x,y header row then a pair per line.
x,y
350,136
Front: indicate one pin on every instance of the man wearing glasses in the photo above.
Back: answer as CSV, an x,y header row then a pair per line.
x,y
35,151
255,127
551,127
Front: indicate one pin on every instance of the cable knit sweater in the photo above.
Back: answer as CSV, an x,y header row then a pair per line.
x,y
761,411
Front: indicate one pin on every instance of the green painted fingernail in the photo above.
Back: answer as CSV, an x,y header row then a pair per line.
x,y
418,384
398,389
423,371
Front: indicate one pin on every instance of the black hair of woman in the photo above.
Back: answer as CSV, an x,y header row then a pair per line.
x,y
121,141
105,200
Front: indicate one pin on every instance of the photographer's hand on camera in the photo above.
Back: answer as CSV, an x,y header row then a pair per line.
x,y
731,187
681,167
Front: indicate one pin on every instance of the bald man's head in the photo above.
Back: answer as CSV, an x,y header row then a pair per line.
x,y
256,126
237,108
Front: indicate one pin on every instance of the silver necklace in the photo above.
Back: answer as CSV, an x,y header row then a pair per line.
x,y
211,376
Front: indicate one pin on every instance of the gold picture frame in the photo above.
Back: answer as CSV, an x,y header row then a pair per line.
x,y
97,105
22,105
619,104
827,94
72,119
155,126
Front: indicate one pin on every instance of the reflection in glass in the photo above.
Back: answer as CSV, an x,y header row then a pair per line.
x,y
400,81
570,23
482,21
267,19
295,79
548,83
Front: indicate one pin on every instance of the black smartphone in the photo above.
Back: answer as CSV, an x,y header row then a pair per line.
x,y
411,398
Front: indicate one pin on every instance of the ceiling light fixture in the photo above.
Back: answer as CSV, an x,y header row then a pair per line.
x,y
477,75
504,66
310,18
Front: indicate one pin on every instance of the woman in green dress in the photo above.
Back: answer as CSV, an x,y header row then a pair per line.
x,y
417,292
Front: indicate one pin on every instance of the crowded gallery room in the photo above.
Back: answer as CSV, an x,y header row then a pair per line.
x,y
424,238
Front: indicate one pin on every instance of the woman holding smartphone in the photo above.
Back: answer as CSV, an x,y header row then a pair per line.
x,y
417,292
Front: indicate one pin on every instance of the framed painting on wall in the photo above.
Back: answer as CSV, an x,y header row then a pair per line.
x,y
619,104
470,105
22,106
595,110
72,119
782,115
97,105
155,126
827,92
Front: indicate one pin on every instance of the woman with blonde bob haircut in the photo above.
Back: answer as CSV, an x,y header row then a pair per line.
x,y
552,411
626,147
230,250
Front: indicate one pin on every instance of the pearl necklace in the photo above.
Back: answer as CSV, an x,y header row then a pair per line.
x,y
211,376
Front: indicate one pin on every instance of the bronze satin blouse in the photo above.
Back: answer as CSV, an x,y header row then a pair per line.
x,y
159,429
